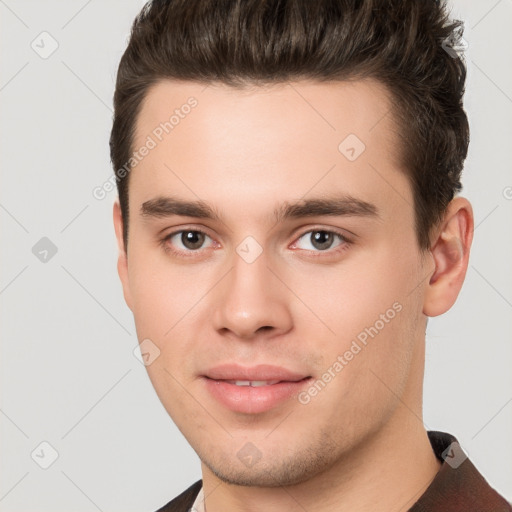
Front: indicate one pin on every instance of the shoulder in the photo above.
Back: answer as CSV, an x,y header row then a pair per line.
x,y
184,501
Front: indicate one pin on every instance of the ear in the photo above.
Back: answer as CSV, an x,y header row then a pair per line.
x,y
122,258
450,252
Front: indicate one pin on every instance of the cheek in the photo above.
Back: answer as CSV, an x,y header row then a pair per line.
x,y
166,303
161,293
370,372
373,319
343,302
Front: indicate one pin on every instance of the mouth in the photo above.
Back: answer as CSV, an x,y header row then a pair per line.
x,y
253,390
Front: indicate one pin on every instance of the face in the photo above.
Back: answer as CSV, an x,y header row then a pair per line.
x,y
273,266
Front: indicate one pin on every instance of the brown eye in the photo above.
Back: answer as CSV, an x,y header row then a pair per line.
x,y
192,239
320,240
186,241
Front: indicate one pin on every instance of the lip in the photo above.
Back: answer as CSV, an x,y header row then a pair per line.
x,y
219,382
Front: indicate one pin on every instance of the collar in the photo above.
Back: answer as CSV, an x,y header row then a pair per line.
x,y
457,486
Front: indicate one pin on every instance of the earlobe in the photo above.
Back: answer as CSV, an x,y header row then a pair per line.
x,y
450,253
122,258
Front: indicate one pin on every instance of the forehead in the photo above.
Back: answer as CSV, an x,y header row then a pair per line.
x,y
276,142
317,109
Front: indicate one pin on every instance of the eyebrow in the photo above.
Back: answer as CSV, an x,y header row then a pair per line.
x,y
344,205
168,206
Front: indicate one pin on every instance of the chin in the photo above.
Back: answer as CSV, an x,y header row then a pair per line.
x,y
262,477
249,467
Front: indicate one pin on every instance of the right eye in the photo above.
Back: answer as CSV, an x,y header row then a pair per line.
x,y
185,241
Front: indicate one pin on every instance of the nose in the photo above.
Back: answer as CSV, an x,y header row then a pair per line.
x,y
251,301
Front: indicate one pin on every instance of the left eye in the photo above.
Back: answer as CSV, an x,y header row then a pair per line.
x,y
321,240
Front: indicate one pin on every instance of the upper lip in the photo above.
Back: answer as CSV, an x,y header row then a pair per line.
x,y
260,372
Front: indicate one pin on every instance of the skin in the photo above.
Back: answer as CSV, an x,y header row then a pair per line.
x,y
360,443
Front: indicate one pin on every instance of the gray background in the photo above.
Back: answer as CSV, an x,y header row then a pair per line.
x,y
68,373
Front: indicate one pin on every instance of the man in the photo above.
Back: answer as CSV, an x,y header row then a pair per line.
x,y
287,222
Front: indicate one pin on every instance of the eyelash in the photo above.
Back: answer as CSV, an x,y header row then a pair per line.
x,y
345,242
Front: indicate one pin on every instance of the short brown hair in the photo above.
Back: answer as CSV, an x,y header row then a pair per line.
x,y
401,43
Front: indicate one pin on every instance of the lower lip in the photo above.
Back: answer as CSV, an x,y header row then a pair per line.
x,y
253,400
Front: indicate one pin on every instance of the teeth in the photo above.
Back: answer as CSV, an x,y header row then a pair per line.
x,y
253,383
256,383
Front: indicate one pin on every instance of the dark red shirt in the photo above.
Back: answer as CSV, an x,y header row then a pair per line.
x,y
457,487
